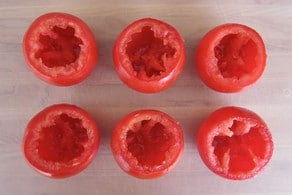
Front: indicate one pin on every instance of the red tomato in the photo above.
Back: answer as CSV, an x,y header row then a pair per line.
x,y
60,49
61,140
231,57
235,143
149,55
147,143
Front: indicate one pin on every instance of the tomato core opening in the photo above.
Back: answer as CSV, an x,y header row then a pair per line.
x,y
148,53
241,151
236,55
61,48
62,141
149,142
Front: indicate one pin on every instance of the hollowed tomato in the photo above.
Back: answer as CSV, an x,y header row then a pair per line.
x,y
147,143
230,57
60,49
149,55
61,140
235,143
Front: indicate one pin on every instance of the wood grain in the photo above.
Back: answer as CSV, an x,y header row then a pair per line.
x,y
107,99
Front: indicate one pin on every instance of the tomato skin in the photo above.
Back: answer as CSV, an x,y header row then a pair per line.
x,y
71,73
45,119
258,145
247,56
130,163
173,65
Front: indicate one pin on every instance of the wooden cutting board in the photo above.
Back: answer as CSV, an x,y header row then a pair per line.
x,y
103,95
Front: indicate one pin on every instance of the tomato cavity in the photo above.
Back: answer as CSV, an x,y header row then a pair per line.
x,y
241,151
236,55
60,49
62,141
149,142
148,53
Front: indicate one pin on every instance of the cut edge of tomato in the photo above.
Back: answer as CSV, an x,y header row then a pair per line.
x,y
55,169
171,38
129,162
211,70
222,167
60,75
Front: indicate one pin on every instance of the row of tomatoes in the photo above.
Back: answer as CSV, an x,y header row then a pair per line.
x,y
62,140
148,55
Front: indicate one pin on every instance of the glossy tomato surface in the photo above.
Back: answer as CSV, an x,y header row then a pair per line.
x,y
235,143
147,143
149,55
230,57
61,140
60,49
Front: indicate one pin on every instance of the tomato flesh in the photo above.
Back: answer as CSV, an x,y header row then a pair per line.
x,y
62,141
147,53
230,57
149,136
235,143
239,152
236,55
147,143
60,48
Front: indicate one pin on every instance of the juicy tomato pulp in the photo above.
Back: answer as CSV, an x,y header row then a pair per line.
x,y
149,55
61,140
236,55
230,57
147,143
235,143
60,49
146,137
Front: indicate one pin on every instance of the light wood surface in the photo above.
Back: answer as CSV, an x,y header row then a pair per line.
x,y
107,99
